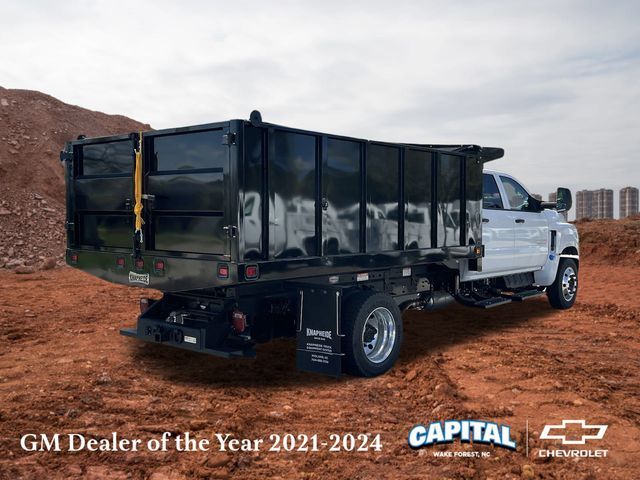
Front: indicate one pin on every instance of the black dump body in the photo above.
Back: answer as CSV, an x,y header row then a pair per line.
x,y
242,202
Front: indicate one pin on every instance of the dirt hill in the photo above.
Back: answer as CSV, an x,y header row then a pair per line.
x,y
33,129
610,242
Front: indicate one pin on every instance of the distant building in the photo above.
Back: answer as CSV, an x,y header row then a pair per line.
x,y
584,204
628,202
537,196
594,203
602,206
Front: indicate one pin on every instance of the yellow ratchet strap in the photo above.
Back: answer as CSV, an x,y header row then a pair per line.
x,y
137,190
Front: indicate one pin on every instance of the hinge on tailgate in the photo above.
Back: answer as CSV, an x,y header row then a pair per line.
x,y
66,156
229,139
231,230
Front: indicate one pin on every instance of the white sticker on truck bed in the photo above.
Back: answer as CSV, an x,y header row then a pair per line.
x,y
139,278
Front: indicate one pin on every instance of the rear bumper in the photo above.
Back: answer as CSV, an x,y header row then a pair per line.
x,y
206,333
186,338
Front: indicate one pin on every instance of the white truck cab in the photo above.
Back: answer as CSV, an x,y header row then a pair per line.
x,y
527,243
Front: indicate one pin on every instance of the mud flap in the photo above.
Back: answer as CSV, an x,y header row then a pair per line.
x,y
318,330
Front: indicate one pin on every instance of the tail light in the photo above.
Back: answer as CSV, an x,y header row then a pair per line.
x,y
158,267
73,258
223,270
251,272
239,321
120,262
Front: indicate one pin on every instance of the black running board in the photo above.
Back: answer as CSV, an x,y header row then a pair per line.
x,y
522,296
491,302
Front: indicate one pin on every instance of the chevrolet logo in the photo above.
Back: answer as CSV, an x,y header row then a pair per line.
x,y
546,432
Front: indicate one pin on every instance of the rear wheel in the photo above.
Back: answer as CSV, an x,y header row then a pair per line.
x,y
372,328
564,290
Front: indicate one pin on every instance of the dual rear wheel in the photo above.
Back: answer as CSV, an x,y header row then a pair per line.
x,y
372,327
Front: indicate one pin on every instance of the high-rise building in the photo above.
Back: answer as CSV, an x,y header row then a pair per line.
x,y
602,206
628,202
584,204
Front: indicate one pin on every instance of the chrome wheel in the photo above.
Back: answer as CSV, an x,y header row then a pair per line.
x,y
379,335
569,284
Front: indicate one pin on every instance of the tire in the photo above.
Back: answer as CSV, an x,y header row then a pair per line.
x,y
564,290
373,318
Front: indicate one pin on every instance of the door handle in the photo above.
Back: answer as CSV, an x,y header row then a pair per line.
x,y
485,220
519,220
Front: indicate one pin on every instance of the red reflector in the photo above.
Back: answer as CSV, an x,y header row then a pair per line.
x,y
239,321
73,257
139,263
223,271
159,265
120,261
251,271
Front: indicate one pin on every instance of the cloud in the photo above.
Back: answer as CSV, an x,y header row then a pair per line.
x,y
555,83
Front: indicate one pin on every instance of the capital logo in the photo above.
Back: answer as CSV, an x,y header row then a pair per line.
x,y
559,432
467,431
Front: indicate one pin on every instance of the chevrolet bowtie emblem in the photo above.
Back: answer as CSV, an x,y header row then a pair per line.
x,y
560,435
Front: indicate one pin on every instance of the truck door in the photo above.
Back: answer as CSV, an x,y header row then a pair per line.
x,y
498,234
187,183
531,228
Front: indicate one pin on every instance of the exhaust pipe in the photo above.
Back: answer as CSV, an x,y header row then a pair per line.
x,y
433,301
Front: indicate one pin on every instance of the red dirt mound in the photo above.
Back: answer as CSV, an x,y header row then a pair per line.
x,y
610,242
33,130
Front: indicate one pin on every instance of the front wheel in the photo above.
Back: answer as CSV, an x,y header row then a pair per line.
x,y
372,328
564,290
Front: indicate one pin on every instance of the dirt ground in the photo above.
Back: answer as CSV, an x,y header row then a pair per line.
x,y
65,369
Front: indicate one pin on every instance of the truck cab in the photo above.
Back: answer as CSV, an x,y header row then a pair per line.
x,y
524,238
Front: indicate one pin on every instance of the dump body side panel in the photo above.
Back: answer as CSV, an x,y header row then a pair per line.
x,y
284,202
317,203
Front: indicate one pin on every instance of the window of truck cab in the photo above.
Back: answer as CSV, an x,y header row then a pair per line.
x,y
517,195
491,197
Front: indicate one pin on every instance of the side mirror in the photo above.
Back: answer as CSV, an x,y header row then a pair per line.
x,y
563,199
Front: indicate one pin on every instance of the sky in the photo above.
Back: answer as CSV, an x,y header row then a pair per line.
x,y
556,84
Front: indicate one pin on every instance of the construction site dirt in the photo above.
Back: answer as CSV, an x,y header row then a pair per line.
x,y
65,369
